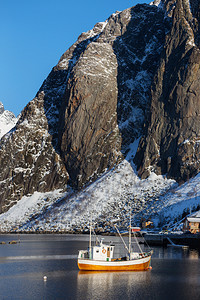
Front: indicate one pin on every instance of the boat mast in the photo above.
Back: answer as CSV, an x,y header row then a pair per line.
x,y
90,244
130,233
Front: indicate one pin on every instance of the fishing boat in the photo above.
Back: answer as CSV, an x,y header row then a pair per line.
x,y
100,257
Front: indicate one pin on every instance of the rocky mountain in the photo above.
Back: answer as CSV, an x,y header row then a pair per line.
x,y
7,120
136,74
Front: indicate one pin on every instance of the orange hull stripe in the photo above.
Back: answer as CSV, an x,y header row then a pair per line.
x,y
138,267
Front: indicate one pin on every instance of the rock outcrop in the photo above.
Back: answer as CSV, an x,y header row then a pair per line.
x,y
171,144
29,161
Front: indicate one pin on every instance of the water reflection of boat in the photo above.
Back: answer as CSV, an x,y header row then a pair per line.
x,y
112,285
100,257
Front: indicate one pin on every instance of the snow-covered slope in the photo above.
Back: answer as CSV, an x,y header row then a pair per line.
x,y
183,199
7,120
105,201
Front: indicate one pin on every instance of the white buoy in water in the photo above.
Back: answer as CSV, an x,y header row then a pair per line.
x,y
45,278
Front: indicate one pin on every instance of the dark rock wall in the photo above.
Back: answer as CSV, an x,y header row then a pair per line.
x,y
171,144
90,138
108,92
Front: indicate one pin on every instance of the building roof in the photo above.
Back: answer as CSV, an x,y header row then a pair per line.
x,y
193,219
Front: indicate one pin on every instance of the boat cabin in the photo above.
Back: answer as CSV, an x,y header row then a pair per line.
x,y
101,252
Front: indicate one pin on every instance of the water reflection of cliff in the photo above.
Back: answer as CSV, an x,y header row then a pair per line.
x,y
107,285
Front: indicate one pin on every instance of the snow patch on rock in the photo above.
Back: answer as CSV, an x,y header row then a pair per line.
x,y
7,120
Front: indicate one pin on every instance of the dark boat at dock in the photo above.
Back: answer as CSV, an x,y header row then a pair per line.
x,y
162,239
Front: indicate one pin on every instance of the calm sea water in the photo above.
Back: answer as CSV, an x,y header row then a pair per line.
x,y
175,273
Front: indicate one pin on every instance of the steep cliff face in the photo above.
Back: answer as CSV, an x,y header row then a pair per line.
x,y
171,144
108,90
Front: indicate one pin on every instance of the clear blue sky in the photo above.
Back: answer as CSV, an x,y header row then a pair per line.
x,y
35,33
